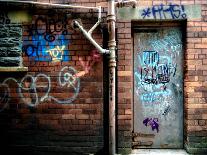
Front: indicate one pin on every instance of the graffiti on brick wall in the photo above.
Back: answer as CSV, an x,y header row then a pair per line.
x,y
153,122
171,11
56,53
36,89
45,34
87,65
33,90
4,19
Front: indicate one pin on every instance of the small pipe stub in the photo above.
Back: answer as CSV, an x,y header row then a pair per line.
x,y
74,24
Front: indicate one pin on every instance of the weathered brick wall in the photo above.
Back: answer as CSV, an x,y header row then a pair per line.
x,y
57,106
195,83
124,84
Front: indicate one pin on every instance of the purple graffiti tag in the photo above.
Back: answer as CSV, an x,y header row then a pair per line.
x,y
153,122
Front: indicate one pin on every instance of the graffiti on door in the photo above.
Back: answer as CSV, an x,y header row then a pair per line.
x,y
157,67
158,89
153,122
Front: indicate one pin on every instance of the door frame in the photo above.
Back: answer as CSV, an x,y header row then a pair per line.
x,y
138,25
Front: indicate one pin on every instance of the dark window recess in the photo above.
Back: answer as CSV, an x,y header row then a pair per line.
x,y
10,45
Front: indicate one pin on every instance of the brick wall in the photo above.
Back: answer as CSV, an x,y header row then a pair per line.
x,y
124,84
57,106
195,84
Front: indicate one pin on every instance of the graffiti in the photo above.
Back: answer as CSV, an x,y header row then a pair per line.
x,y
173,11
155,97
150,58
4,19
153,75
38,49
169,44
166,111
153,72
49,26
45,34
157,68
153,122
56,53
30,87
34,90
95,57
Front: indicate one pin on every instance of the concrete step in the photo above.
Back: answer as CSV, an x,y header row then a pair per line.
x,y
159,152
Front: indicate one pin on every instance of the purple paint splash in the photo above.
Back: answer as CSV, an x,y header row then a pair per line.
x,y
153,122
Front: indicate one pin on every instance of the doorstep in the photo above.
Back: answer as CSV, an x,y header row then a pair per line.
x,y
159,152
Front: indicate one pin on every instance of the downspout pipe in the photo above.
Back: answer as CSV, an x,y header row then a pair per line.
x,y
111,20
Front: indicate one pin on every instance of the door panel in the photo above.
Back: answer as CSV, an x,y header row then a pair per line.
x,y
158,88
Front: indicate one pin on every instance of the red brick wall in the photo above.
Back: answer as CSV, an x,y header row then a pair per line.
x,y
124,83
57,106
195,83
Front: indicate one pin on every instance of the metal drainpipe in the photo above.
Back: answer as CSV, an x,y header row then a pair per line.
x,y
111,19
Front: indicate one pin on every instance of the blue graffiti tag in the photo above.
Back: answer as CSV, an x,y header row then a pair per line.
x,y
47,38
152,71
146,13
39,49
153,75
155,96
173,11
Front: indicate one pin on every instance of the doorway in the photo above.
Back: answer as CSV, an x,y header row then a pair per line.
x,y
158,87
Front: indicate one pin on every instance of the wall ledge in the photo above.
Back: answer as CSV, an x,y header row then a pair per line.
x,y
195,150
13,69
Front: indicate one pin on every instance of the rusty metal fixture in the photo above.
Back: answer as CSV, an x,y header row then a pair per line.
x,y
122,3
